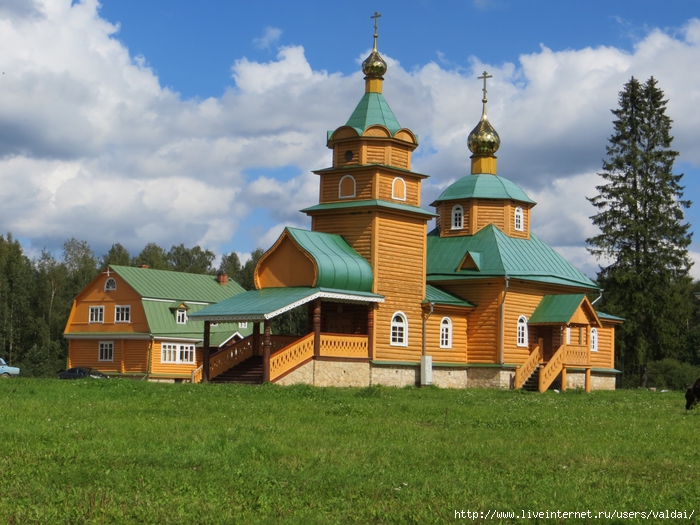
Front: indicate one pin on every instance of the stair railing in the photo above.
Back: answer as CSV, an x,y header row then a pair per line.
x,y
291,356
230,356
550,372
523,372
196,375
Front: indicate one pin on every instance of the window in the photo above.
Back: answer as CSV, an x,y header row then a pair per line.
x,y
177,353
106,351
519,219
522,331
568,335
346,187
110,285
446,333
399,330
398,189
97,314
594,340
243,324
457,217
122,314
181,316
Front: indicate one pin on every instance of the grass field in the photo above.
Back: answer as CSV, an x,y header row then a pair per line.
x,y
121,451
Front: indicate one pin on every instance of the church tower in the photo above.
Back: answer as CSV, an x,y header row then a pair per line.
x,y
371,198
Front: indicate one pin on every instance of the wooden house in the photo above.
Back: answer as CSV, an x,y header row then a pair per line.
x,y
137,322
478,301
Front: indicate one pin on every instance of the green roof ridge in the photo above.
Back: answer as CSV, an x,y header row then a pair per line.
x,y
369,202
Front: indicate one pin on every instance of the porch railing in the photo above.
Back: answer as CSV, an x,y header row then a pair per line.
x,y
230,356
566,355
528,367
291,356
196,375
344,345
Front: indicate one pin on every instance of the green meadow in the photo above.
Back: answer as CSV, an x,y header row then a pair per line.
x,y
121,451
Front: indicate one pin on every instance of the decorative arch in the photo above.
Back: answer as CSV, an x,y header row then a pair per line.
x,y
446,333
457,217
519,219
347,187
522,337
110,284
399,329
398,189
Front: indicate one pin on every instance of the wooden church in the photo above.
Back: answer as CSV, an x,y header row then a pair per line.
x,y
479,301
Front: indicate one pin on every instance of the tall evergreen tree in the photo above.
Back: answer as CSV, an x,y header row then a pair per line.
x,y
116,256
643,239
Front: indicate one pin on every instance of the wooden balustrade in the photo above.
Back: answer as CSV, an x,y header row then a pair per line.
x,y
344,345
230,356
291,356
576,355
278,342
196,375
528,367
550,372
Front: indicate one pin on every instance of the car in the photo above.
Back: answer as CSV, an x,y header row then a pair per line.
x,y
7,371
81,372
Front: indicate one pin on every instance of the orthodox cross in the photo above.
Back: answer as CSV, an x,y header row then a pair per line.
x,y
375,16
484,77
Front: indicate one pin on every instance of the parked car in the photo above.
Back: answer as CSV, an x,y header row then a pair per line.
x,y
7,371
81,372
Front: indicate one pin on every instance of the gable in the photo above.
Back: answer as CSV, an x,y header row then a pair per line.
x,y
285,265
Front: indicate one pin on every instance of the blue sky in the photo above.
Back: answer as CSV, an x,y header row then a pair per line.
x,y
200,122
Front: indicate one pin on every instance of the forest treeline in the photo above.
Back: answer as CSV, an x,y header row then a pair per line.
x,y
36,295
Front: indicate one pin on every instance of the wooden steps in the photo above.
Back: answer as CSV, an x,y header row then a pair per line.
x,y
532,383
248,372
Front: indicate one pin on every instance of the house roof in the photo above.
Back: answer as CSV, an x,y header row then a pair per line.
x,y
556,309
371,110
499,256
338,265
483,186
608,317
266,303
370,203
176,286
437,296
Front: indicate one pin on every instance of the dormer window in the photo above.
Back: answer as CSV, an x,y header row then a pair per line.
x,y
519,219
398,189
181,316
457,217
346,187
110,285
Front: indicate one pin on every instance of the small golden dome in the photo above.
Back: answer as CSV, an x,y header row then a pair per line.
x,y
374,65
483,140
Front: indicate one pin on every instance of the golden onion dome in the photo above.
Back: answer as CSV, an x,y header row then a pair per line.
x,y
374,65
483,139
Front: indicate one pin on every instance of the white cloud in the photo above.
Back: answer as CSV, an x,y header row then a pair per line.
x,y
269,38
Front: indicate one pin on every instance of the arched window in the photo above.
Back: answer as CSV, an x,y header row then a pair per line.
x,y
398,189
522,331
594,340
457,217
446,333
110,285
519,219
399,330
346,187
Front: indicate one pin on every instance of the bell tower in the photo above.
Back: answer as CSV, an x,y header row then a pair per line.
x,y
371,197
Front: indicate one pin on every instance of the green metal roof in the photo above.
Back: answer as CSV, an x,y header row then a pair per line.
x,y
484,186
373,109
556,309
370,203
500,256
603,315
258,305
177,286
437,296
386,167
339,266
163,323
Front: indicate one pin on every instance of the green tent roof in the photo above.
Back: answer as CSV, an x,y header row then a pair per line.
x,y
373,109
259,305
484,186
339,265
370,203
177,286
556,309
437,296
500,256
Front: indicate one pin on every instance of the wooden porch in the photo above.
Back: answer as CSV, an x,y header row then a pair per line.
x,y
566,356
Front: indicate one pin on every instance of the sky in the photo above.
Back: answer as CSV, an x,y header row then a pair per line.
x,y
172,122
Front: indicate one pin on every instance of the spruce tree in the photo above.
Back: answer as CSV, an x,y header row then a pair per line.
x,y
643,239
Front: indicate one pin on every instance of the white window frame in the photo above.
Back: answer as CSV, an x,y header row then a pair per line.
x,y
393,189
568,335
110,285
181,316
178,353
522,332
105,351
340,187
519,219
594,339
122,314
457,217
446,333
97,314
398,334
243,324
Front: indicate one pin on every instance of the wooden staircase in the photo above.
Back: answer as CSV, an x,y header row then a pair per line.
x,y
249,372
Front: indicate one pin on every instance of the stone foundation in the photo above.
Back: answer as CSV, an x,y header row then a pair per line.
x,y
302,375
599,381
450,377
396,375
489,377
341,373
